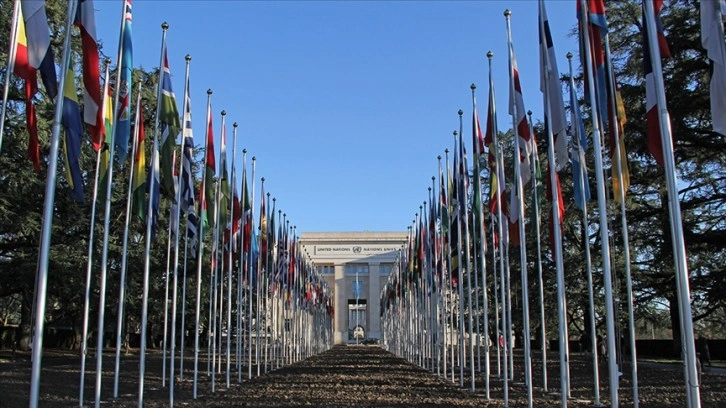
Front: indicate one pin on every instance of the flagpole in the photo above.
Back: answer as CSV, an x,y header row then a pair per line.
x,y
243,258
555,199
214,290
250,267
202,204
230,268
543,337
522,244
679,247
175,218
8,71
48,205
602,210
258,288
442,289
586,242
619,161
449,287
89,269
500,181
149,218
481,234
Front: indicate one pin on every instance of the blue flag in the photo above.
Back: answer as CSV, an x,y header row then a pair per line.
x,y
123,116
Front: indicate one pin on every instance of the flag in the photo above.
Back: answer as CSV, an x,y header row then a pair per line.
x,y
25,70
513,214
619,121
208,184
263,231
40,51
597,29
236,212
712,40
106,135
537,185
139,170
174,218
560,208
168,115
92,112
516,107
224,179
71,120
552,91
123,119
581,186
155,185
655,145
187,179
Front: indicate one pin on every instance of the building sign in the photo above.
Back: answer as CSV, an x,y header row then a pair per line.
x,y
354,249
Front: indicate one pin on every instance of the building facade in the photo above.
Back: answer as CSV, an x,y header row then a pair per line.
x,y
355,265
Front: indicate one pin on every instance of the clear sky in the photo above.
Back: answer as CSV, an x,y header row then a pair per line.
x,y
345,104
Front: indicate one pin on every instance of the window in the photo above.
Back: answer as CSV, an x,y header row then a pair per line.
x,y
353,269
386,269
326,269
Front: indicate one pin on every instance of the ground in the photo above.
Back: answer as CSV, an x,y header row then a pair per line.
x,y
360,376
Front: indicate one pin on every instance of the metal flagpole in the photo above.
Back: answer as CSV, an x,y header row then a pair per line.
x,y
166,300
559,263
535,200
442,288
679,247
464,234
481,235
619,164
503,273
258,287
184,306
460,283
243,262
122,284
520,204
48,205
177,219
214,290
449,285
249,272
8,71
200,227
230,268
500,181
89,269
149,214
602,211
586,243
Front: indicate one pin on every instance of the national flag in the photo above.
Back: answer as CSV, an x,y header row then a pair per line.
x,y
516,108
155,185
224,179
104,165
619,121
247,213
263,230
139,170
71,120
123,109
236,212
187,179
655,145
168,115
712,40
478,227
537,185
174,218
208,184
454,204
581,186
597,29
40,51
560,208
513,214
25,70
92,112
552,90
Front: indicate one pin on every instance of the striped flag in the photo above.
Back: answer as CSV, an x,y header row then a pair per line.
x,y
168,115
40,51
139,184
552,90
123,109
597,28
187,179
655,145
208,183
577,159
25,70
92,112
71,120
154,184
516,107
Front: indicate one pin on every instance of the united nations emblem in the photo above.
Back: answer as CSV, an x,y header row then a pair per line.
x,y
357,249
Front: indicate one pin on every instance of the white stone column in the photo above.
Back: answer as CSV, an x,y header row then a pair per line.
x,y
341,306
374,306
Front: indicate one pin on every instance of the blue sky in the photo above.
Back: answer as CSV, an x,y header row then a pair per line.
x,y
345,104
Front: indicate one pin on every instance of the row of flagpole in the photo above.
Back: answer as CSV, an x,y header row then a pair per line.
x,y
293,287
422,267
